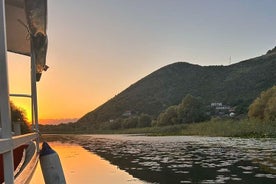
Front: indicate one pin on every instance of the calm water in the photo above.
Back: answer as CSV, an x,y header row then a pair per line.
x,y
184,159
83,167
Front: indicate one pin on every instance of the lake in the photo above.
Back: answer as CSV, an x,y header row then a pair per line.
x,y
167,159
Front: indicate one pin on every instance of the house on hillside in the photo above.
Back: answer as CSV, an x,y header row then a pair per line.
x,y
127,113
221,110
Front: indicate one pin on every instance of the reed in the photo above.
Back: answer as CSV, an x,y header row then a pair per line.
x,y
215,127
232,128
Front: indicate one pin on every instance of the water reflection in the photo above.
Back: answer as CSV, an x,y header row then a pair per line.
x,y
81,167
187,159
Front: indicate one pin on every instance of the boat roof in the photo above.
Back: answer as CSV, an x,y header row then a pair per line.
x,y
26,24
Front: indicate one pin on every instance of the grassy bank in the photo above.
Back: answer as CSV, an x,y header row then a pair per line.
x,y
232,128
215,127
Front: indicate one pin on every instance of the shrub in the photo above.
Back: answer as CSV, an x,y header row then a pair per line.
x,y
264,106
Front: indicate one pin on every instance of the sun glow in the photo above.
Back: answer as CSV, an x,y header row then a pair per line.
x,y
20,82
28,114
23,105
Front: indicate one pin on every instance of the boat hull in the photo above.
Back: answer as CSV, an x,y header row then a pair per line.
x,y
25,161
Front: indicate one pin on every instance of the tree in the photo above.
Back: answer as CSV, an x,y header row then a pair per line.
x,y
115,125
264,106
270,110
191,110
144,121
168,117
130,122
18,115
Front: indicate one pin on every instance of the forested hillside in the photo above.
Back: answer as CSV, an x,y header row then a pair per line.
x,y
236,85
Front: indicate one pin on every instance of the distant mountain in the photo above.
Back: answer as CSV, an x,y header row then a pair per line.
x,y
236,85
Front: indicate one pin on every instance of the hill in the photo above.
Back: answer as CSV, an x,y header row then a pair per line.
x,y
236,85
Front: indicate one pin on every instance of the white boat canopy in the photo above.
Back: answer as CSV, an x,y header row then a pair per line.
x,y
26,23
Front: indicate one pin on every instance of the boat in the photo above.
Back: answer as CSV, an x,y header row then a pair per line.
x,y
23,26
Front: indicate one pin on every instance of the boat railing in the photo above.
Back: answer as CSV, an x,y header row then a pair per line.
x,y
8,144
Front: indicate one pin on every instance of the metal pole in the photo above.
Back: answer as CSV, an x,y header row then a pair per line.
x,y
4,97
34,93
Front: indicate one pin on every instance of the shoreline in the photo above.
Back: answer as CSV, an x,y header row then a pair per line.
x,y
213,128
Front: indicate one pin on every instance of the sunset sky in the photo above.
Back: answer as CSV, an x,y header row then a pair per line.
x,y
98,48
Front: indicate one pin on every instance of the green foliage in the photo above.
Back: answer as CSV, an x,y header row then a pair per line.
x,y
231,128
144,121
215,127
169,117
18,115
190,110
270,110
130,122
264,106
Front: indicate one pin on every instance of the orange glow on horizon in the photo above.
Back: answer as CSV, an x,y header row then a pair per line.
x,y
56,121
28,114
24,106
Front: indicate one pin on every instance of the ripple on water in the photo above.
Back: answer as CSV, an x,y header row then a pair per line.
x,y
180,166
261,175
236,179
247,172
226,159
181,172
185,182
247,168
149,164
223,170
270,176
